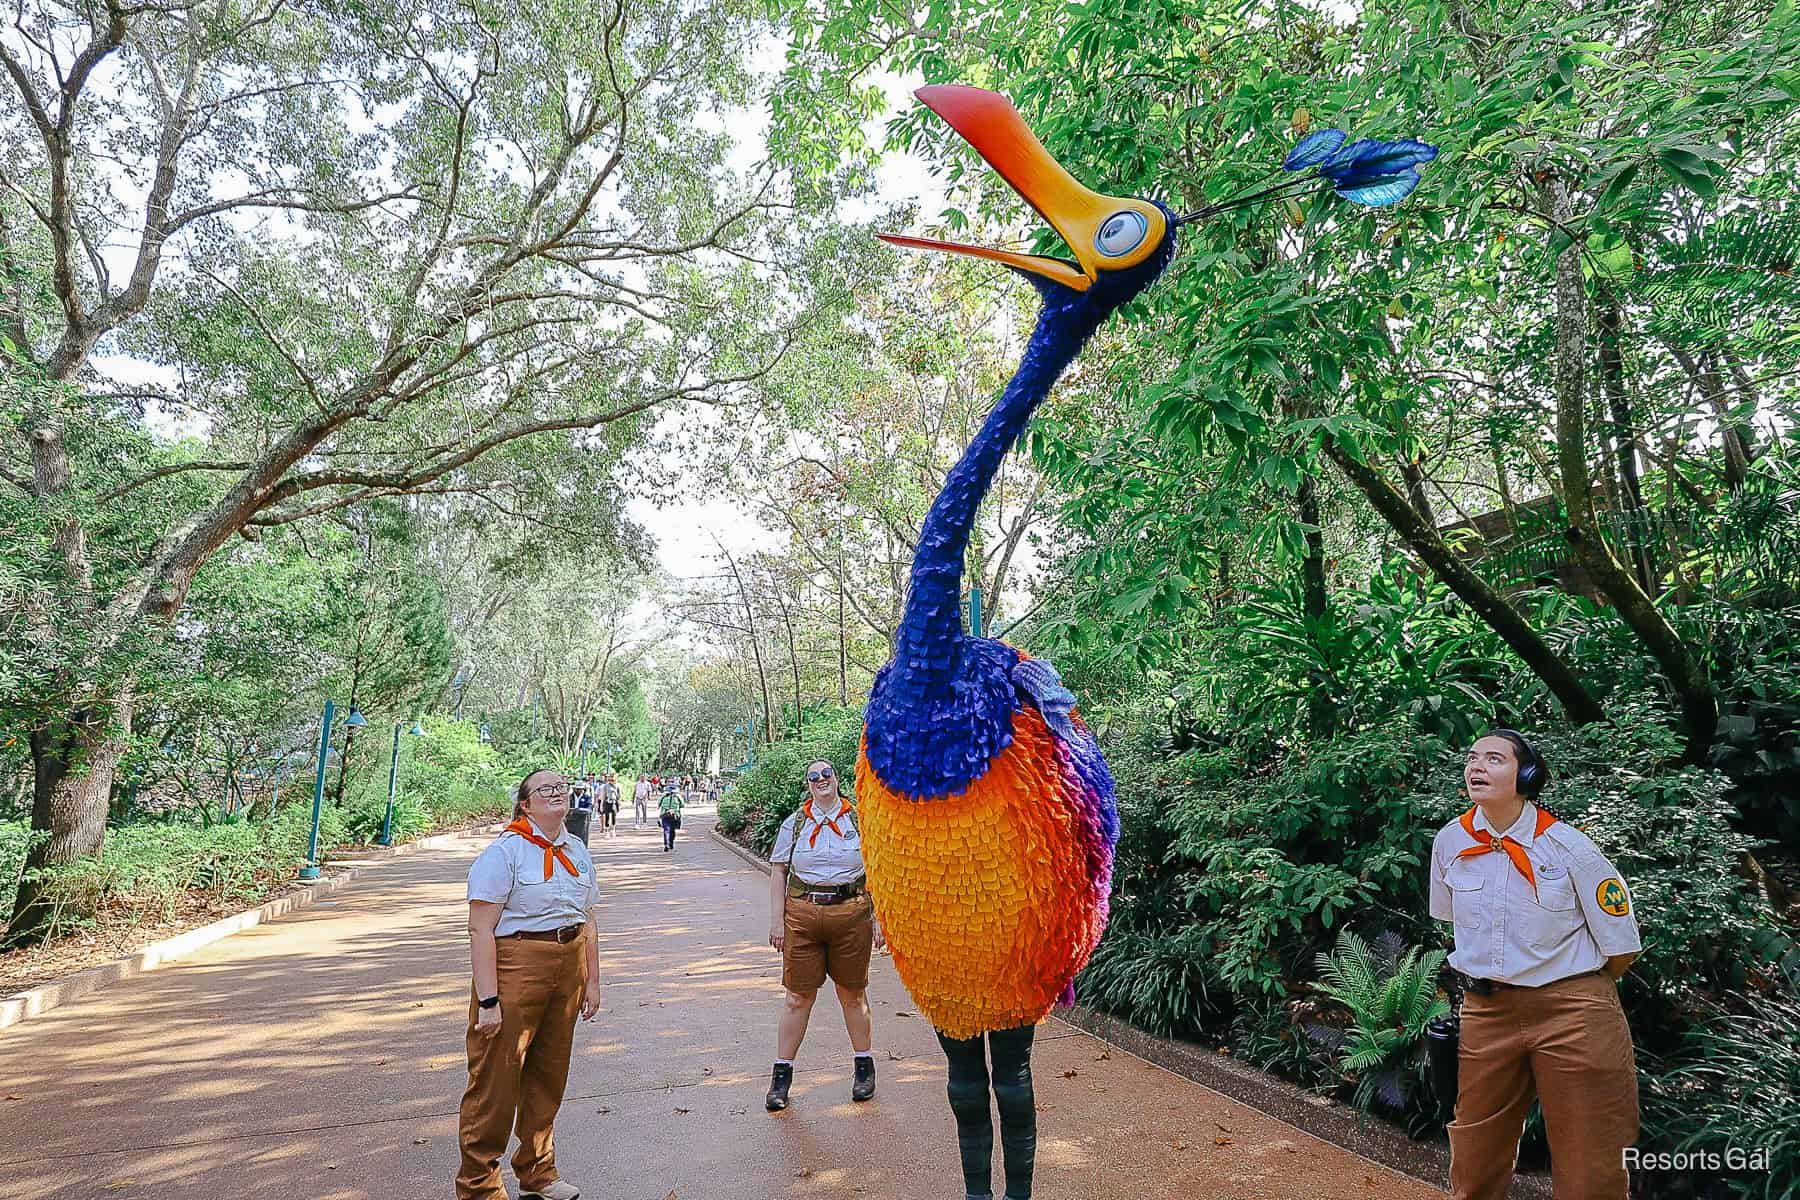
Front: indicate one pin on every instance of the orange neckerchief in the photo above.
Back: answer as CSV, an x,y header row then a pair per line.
x,y
553,853
1487,843
818,825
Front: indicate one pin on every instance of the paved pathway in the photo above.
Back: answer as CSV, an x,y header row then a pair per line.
x,y
320,1058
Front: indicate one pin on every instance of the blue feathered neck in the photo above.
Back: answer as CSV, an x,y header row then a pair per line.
x,y
943,707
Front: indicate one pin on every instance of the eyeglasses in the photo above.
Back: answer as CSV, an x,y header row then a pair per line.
x,y
551,789
816,776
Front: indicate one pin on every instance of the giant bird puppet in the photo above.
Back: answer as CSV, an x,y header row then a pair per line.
x,y
987,811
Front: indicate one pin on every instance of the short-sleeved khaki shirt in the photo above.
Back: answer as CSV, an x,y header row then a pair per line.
x,y
510,873
814,853
1580,915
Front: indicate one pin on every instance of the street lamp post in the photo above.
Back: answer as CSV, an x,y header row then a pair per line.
x,y
311,869
749,732
387,822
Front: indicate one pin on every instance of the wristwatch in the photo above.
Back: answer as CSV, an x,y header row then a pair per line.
x,y
488,1002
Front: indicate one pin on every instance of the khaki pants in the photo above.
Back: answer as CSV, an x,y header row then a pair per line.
x,y
827,940
1567,1045
517,1068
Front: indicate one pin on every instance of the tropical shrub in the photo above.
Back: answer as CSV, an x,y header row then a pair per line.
x,y
1389,993
768,792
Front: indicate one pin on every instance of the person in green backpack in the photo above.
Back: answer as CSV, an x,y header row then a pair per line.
x,y
670,808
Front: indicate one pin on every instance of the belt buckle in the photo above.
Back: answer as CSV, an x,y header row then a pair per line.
x,y
822,897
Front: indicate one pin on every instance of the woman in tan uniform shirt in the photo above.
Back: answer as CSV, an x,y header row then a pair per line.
x,y
536,964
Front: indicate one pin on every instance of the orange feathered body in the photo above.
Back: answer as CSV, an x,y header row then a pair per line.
x,y
993,899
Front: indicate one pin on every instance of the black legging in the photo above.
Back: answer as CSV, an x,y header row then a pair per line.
x,y
1011,1083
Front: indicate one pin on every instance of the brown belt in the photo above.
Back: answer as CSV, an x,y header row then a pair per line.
x,y
815,893
565,935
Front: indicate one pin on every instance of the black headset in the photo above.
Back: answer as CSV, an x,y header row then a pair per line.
x,y
1533,772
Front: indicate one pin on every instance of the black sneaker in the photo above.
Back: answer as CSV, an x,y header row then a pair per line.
x,y
779,1081
863,1087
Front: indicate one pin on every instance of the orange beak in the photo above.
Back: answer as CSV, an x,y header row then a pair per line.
x,y
1103,232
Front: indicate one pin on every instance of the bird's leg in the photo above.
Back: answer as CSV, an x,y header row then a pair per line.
x,y
974,1116
1018,1108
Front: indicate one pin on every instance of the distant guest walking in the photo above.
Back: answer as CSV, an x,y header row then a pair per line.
x,y
640,799
1544,929
670,808
535,954
822,921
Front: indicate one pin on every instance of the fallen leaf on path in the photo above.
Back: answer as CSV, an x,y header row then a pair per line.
x,y
1221,1141
1070,1073
14,1096
892,1057
1369,1181
684,1111
1181,1145
1105,1056
671,1195
803,1173
420,1141
603,1110
738,1112
120,1184
331,1166
382,1062
903,1013
706,1070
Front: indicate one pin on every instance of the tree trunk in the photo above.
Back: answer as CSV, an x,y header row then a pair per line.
x,y
1623,428
843,634
73,768
1699,708
1488,604
1706,381
1315,603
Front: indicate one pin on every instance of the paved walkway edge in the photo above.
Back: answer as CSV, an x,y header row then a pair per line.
x,y
1368,1137
21,1006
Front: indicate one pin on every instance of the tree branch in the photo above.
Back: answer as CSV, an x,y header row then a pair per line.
x,y
161,472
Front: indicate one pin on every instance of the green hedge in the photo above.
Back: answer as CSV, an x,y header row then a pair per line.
x,y
768,793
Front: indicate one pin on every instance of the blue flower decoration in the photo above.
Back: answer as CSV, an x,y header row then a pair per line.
x,y
1367,171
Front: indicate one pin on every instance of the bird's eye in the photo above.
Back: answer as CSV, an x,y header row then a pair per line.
x,y
1122,233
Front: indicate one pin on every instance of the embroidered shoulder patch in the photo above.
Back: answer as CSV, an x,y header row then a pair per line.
x,y
1611,897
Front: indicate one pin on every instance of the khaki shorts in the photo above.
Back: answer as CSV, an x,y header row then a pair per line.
x,y
832,940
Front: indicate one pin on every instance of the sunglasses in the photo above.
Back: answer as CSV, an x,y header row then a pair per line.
x,y
816,776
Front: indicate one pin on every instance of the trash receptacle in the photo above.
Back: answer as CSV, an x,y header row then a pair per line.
x,y
577,822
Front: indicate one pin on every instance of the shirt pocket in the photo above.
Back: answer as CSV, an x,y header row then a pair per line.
x,y
530,889
1468,895
1553,913
573,889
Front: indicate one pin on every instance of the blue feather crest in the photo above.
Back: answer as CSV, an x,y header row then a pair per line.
x,y
1373,172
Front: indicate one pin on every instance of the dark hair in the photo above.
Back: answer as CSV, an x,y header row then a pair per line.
x,y
520,794
1534,772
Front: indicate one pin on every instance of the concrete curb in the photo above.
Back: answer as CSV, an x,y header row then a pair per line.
x,y
21,1006
1323,1118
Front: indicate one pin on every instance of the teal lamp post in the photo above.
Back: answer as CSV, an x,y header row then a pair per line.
x,y
387,822
352,723
749,732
